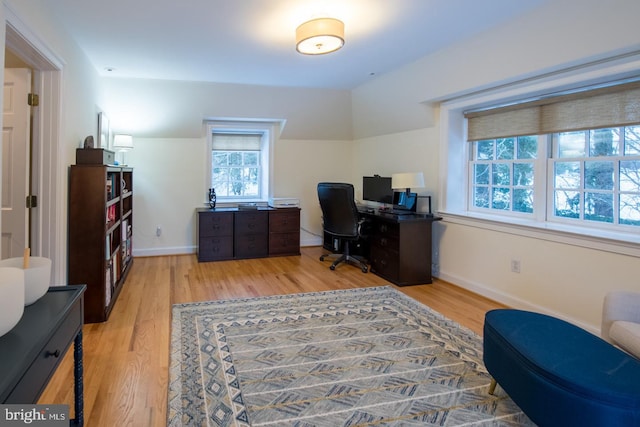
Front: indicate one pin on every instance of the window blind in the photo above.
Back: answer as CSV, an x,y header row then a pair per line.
x,y
236,141
590,109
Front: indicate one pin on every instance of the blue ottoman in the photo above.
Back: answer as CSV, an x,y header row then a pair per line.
x,y
560,374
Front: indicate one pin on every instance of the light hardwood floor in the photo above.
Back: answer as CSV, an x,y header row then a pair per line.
x,y
126,358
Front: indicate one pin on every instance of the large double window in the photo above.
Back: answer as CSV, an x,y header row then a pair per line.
x,y
572,159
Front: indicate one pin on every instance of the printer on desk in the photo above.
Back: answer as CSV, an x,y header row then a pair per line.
x,y
284,202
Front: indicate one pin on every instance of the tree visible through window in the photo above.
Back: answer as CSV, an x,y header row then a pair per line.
x,y
235,173
597,175
503,173
236,167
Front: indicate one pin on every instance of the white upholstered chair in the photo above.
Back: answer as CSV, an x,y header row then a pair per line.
x,y
621,320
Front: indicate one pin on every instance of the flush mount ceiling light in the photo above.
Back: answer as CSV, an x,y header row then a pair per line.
x,y
320,36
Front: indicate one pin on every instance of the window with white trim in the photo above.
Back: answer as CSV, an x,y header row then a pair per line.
x,y
235,164
239,159
596,176
571,159
502,173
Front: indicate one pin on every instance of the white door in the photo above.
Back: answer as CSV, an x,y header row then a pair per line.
x,y
15,162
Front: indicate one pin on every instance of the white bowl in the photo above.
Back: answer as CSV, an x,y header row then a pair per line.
x,y
11,298
37,277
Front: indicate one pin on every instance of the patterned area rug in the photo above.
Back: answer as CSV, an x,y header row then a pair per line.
x,y
359,357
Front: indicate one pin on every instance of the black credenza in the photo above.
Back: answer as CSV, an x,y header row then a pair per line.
x,y
31,352
232,233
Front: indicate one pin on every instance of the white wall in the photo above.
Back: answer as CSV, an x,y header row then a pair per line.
x,y
79,105
176,109
170,183
561,279
559,34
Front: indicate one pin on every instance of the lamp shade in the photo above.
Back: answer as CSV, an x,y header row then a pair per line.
x,y
407,180
320,36
122,142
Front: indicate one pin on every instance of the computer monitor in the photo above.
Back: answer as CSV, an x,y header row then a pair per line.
x,y
377,189
403,201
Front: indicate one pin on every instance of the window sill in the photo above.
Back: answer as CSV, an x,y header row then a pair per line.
x,y
615,242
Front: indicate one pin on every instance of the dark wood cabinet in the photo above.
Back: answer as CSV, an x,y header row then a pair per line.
x,y
231,233
100,234
215,235
284,231
400,247
251,234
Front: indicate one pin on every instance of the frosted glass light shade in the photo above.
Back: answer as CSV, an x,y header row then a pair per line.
x,y
122,142
320,36
407,180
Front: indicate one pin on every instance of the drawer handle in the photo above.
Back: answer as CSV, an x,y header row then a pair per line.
x,y
55,354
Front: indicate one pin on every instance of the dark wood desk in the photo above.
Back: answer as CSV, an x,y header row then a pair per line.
x,y
398,247
31,352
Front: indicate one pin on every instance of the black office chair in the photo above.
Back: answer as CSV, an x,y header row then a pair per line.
x,y
341,221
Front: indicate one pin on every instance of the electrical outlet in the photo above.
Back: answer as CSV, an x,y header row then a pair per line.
x,y
515,265
158,231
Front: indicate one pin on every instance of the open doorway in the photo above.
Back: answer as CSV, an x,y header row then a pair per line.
x,y
16,158
48,225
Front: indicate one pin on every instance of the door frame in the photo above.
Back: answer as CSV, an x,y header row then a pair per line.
x,y
48,229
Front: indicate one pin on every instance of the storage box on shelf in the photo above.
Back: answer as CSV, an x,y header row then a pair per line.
x,y
100,234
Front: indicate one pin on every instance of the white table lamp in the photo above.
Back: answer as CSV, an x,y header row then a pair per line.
x,y
122,144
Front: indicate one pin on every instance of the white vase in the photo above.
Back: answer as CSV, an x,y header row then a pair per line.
x,y
11,298
37,277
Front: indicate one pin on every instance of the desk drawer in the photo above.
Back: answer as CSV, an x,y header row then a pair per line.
x,y
215,248
284,220
215,224
251,246
387,229
386,242
252,222
37,376
284,243
385,263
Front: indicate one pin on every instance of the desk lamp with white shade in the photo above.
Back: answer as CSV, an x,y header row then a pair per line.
x,y
122,144
408,180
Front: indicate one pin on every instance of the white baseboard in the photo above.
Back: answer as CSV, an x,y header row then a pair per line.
x,y
185,250
311,241
177,250
511,301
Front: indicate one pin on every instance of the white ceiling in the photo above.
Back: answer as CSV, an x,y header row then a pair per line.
x,y
252,41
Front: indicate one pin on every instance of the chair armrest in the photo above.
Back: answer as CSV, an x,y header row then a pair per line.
x,y
619,305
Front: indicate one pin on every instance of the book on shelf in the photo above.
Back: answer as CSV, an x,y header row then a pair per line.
x,y
110,187
111,213
124,228
108,284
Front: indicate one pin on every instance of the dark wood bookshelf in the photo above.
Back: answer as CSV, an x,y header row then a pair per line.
x,y
100,234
